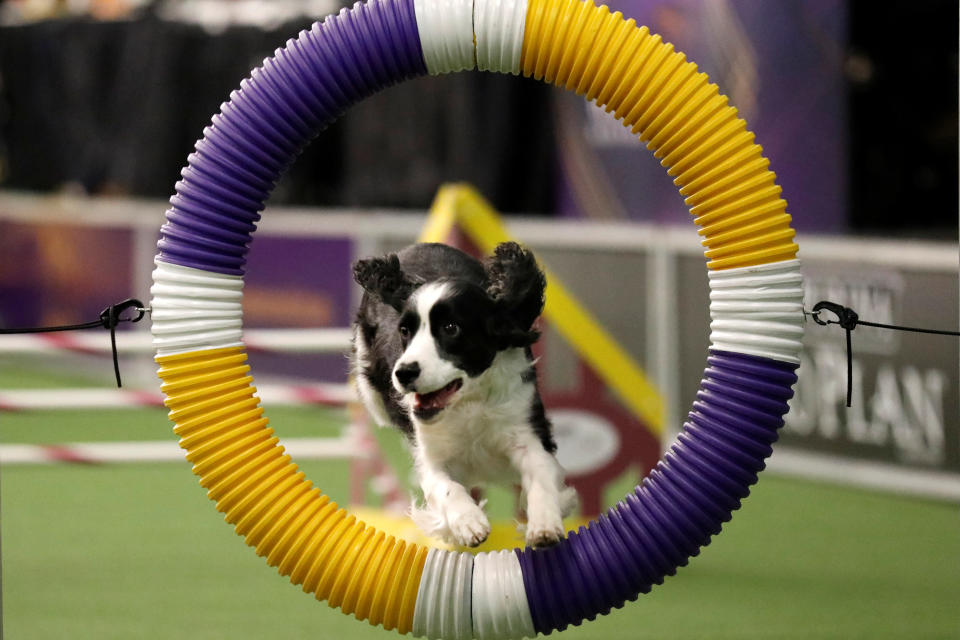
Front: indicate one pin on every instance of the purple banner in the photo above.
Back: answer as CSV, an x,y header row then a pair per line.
x,y
303,283
56,274
780,63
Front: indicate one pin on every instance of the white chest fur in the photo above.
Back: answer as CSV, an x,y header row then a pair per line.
x,y
473,439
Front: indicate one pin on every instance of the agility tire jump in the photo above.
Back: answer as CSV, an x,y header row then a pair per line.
x,y
755,307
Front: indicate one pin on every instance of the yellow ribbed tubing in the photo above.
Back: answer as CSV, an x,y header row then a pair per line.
x,y
293,525
680,116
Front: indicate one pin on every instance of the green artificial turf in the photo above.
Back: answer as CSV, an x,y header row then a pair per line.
x,y
27,372
137,551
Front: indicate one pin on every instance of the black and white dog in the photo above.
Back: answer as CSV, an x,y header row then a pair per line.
x,y
442,352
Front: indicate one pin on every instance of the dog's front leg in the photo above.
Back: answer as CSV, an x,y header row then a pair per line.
x,y
451,512
541,479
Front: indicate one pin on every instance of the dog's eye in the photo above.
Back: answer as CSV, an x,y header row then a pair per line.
x,y
404,332
451,329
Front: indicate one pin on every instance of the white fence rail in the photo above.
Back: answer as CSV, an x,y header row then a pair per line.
x,y
344,447
314,341
906,388
331,395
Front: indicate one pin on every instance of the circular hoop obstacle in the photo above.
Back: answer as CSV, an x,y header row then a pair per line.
x,y
755,307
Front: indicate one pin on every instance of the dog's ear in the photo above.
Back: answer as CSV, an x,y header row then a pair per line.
x,y
384,279
516,285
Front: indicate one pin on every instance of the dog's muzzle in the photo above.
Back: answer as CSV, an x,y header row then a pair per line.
x,y
428,405
406,374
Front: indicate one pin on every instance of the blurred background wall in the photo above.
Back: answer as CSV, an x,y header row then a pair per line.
x,y
859,117
855,103
114,107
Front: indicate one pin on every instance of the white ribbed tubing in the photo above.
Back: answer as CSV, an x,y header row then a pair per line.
x,y
443,608
500,607
192,309
446,34
758,310
499,25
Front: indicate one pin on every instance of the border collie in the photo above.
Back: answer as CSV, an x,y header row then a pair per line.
x,y
441,351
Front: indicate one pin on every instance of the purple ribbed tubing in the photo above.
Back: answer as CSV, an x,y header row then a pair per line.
x,y
678,507
280,108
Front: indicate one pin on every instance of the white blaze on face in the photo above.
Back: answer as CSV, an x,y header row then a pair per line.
x,y
435,372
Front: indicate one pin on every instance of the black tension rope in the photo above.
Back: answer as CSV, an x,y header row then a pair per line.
x,y
109,319
848,319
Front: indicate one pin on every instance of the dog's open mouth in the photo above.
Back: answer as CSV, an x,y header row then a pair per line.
x,y
427,405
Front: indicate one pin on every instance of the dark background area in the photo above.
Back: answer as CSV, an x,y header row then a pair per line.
x,y
115,108
902,78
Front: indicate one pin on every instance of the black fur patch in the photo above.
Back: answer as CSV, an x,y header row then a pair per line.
x,y
541,424
379,369
516,285
460,331
383,278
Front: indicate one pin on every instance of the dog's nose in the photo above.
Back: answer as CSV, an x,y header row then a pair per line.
x,y
407,373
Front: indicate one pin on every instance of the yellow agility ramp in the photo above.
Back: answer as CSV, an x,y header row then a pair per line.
x,y
461,206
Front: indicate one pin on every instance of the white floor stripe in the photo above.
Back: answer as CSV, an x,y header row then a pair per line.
x,y
287,395
162,451
335,340
870,475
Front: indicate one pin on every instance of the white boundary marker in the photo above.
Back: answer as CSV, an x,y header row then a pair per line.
x,y
140,342
93,398
864,474
163,451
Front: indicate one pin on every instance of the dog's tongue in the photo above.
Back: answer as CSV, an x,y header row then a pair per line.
x,y
438,399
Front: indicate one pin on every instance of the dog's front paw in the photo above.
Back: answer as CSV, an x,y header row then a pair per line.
x,y
470,527
544,535
544,524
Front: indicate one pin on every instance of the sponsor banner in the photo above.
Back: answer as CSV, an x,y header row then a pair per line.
x,y
905,386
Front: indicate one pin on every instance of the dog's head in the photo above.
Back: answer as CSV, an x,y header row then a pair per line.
x,y
451,329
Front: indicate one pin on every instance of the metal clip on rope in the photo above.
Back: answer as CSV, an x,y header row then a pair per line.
x,y
848,319
109,319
